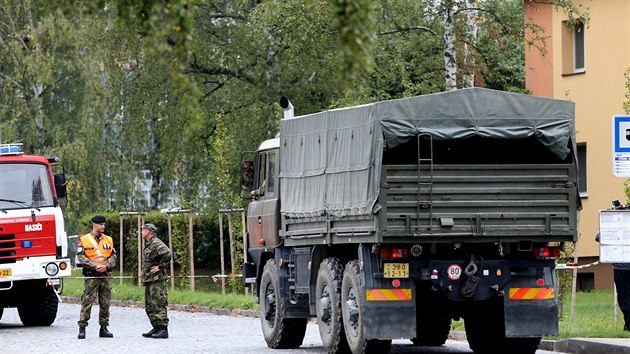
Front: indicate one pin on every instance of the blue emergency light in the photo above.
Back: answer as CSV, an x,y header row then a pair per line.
x,y
27,244
11,149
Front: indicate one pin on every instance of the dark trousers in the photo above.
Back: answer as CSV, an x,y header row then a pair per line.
x,y
622,282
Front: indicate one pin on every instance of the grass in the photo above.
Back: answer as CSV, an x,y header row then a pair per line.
x,y
207,295
594,311
594,317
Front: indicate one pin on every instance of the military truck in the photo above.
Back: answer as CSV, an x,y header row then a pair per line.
x,y
391,219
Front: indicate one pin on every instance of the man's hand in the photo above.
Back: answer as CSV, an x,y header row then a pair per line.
x,y
155,269
101,268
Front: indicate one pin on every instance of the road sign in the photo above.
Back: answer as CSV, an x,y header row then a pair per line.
x,y
621,146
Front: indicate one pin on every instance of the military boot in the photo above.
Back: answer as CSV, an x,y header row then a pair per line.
x,y
161,333
81,332
150,333
104,333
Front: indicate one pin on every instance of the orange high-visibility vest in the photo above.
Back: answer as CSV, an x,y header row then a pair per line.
x,y
98,251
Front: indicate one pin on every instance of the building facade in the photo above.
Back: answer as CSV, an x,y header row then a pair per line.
x,y
585,62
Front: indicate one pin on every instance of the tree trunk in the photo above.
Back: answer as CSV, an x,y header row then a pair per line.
x,y
450,64
471,34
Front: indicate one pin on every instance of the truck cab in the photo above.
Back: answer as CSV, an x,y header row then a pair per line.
x,y
263,212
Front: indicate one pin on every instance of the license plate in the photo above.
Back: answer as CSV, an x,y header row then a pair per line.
x,y
5,272
396,270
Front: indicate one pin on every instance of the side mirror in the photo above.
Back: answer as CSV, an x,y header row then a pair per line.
x,y
60,185
247,175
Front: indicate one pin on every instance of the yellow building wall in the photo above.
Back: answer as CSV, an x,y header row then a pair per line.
x,y
598,94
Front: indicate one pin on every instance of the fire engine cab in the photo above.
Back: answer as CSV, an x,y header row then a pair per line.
x,y
33,240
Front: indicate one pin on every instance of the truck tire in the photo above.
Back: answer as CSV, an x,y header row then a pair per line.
x,y
485,331
279,332
41,309
328,305
353,309
432,332
432,323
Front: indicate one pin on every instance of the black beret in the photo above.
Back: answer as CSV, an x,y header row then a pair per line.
x,y
99,219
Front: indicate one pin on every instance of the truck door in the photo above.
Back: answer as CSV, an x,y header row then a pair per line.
x,y
263,216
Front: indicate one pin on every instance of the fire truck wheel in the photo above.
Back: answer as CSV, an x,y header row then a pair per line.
x,y
352,307
42,311
328,305
279,332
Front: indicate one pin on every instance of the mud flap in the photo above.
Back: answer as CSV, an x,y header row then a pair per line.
x,y
530,318
390,319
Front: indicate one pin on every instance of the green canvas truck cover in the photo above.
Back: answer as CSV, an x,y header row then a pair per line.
x,y
330,161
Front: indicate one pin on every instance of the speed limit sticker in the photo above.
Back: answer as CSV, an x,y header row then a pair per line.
x,y
454,271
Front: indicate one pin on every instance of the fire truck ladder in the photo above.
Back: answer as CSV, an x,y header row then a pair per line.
x,y
425,183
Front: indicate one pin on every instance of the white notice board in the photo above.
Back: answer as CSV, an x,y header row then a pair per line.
x,y
614,236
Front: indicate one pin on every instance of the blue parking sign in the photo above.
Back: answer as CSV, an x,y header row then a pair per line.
x,y
621,146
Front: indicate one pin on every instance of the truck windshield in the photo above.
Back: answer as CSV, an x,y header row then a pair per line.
x,y
24,183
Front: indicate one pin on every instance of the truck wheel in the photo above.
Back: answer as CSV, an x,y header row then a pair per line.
x,y
40,309
328,305
279,332
432,332
485,331
353,308
432,324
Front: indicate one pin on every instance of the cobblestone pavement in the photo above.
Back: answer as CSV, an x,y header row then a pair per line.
x,y
190,332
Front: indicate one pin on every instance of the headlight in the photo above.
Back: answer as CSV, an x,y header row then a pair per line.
x,y
52,269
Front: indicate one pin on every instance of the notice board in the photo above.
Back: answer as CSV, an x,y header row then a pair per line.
x,y
614,236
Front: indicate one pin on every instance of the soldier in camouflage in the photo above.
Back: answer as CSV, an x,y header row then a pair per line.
x,y
155,260
97,255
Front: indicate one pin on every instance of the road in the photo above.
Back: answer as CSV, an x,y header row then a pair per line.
x,y
190,332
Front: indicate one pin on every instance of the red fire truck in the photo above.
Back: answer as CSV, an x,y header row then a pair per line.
x,y
33,240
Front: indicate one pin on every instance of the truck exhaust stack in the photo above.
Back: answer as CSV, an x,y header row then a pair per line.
x,y
287,106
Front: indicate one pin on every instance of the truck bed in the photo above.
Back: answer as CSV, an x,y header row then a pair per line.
x,y
450,202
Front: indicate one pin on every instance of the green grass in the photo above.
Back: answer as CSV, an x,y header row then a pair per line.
x,y
594,317
594,311
206,294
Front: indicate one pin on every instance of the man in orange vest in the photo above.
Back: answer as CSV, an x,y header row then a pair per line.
x,y
97,254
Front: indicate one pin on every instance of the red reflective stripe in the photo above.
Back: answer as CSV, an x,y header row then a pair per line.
x,y
388,294
520,293
531,293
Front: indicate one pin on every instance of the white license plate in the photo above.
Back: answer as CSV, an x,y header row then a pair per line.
x,y
5,272
396,270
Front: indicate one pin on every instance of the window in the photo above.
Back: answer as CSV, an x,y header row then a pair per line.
x,y
260,180
573,48
578,47
272,173
582,178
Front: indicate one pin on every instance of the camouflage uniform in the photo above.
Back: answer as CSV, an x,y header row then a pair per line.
x,y
97,284
156,253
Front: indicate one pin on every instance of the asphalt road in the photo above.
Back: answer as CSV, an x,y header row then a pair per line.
x,y
190,332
